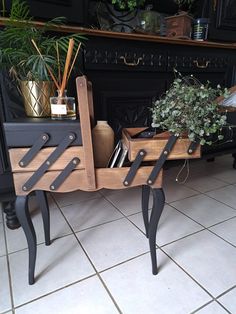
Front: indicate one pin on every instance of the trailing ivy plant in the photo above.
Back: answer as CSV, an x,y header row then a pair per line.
x,y
189,107
18,54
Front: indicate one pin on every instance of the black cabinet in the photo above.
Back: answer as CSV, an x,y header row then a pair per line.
x,y
222,14
75,11
128,75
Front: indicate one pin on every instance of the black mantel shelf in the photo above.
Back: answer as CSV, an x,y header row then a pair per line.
x,y
133,36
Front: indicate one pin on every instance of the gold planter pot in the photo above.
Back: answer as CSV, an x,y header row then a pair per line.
x,y
36,97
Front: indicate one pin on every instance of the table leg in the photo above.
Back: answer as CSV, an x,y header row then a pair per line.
x,y
22,212
43,203
158,205
145,202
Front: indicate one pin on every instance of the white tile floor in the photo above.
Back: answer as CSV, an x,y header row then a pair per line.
x,y
99,259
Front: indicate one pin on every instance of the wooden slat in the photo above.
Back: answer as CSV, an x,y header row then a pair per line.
x,y
85,122
16,154
110,178
155,146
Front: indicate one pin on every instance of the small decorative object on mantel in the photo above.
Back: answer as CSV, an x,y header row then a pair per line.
x,y
200,29
190,109
180,25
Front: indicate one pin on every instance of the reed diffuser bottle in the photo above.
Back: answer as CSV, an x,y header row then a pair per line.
x,y
63,107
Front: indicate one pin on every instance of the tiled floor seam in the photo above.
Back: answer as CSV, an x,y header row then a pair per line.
x,y
77,202
54,291
110,294
205,193
184,237
41,243
222,221
205,305
234,246
201,307
223,307
189,275
95,269
225,292
9,270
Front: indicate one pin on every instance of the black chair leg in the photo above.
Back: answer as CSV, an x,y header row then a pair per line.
x,y
158,205
22,212
43,203
145,202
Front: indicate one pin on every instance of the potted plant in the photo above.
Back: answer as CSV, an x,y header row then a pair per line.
x,y
180,25
127,4
33,68
190,109
184,5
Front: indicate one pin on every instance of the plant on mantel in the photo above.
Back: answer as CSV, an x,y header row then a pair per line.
x,y
189,108
127,4
185,5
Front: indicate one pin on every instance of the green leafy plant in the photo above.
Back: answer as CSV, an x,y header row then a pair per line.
x,y
186,4
18,54
128,4
189,107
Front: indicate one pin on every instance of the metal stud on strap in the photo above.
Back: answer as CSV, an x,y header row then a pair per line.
x,y
134,167
192,147
64,174
32,152
50,160
160,162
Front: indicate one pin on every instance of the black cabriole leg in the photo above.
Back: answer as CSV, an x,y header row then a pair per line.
x,y
43,203
145,202
234,160
23,215
11,220
158,205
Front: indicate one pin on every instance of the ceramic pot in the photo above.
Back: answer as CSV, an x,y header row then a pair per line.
x,y
103,143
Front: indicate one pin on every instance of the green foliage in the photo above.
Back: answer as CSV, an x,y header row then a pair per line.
x,y
190,107
128,4
185,3
19,56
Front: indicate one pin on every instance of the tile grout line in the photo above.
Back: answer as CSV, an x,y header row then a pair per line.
x,y
147,253
189,275
202,307
205,305
160,247
225,292
9,269
96,272
54,291
95,269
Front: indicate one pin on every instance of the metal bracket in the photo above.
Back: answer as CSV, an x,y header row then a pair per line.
x,y
32,152
64,174
160,162
50,160
134,167
192,147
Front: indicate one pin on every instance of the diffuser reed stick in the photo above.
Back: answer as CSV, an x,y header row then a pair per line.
x,y
73,62
67,64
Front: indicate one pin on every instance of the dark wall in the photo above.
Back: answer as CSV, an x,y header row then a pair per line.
x,y
74,10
